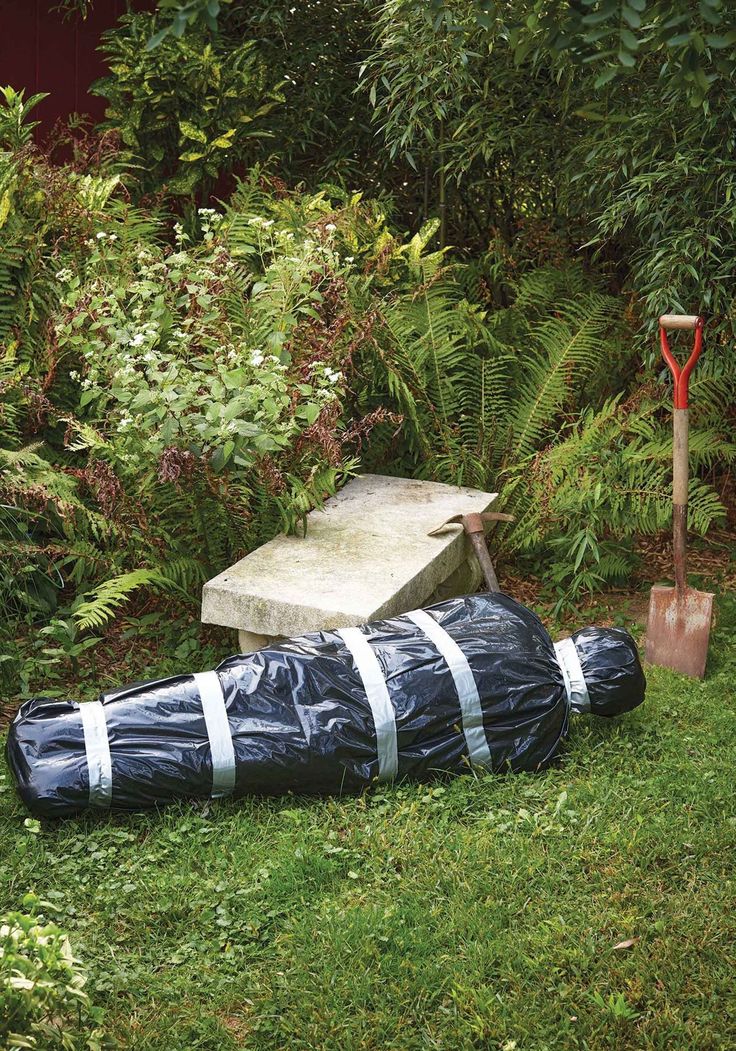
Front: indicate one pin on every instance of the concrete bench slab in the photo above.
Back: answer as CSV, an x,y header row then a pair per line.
x,y
365,556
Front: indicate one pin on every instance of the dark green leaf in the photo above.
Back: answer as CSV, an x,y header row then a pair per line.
x,y
627,59
156,39
629,41
606,76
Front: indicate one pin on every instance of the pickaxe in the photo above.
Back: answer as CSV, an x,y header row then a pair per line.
x,y
473,525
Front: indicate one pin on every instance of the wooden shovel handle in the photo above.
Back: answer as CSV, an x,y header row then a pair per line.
x,y
687,321
681,374
679,496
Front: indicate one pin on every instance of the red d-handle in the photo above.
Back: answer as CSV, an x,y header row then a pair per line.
x,y
681,375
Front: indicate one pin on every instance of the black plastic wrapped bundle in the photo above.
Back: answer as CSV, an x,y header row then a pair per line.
x,y
474,681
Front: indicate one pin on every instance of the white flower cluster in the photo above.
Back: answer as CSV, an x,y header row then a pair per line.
x,y
163,357
258,358
325,379
148,333
209,220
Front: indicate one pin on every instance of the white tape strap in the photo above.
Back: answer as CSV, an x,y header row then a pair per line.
x,y
97,747
470,707
376,691
572,673
218,731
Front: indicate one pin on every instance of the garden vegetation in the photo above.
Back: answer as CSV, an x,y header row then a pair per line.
x,y
429,239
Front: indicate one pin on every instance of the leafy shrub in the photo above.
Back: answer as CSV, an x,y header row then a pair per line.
x,y
194,394
503,402
188,110
202,399
166,359
607,480
213,391
48,214
661,185
47,217
43,1002
30,207
321,131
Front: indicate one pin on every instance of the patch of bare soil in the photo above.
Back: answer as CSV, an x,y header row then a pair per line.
x,y
711,559
711,566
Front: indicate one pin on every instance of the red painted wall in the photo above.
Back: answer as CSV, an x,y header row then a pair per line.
x,y
41,51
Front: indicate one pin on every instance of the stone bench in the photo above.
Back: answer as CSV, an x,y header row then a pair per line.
x,y
366,555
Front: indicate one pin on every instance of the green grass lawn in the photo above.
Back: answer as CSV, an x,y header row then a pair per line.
x,y
473,914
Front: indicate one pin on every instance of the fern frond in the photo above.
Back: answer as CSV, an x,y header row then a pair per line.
x,y
23,456
543,290
107,597
563,351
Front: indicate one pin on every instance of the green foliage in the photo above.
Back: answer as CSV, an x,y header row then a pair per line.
x,y
189,110
16,130
606,481
322,132
662,187
312,51
417,79
164,359
199,384
694,45
48,214
108,596
637,171
201,399
25,227
43,1003
178,15
503,403
48,218
482,128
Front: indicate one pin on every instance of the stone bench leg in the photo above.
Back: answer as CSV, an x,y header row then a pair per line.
x,y
465,580
249,641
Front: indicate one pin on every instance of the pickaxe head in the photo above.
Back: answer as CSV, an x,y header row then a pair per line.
x,y
474,522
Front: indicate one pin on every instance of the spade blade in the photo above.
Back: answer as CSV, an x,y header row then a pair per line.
x,y
678,629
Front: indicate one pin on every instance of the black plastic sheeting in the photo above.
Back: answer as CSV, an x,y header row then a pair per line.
x,y
300,719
